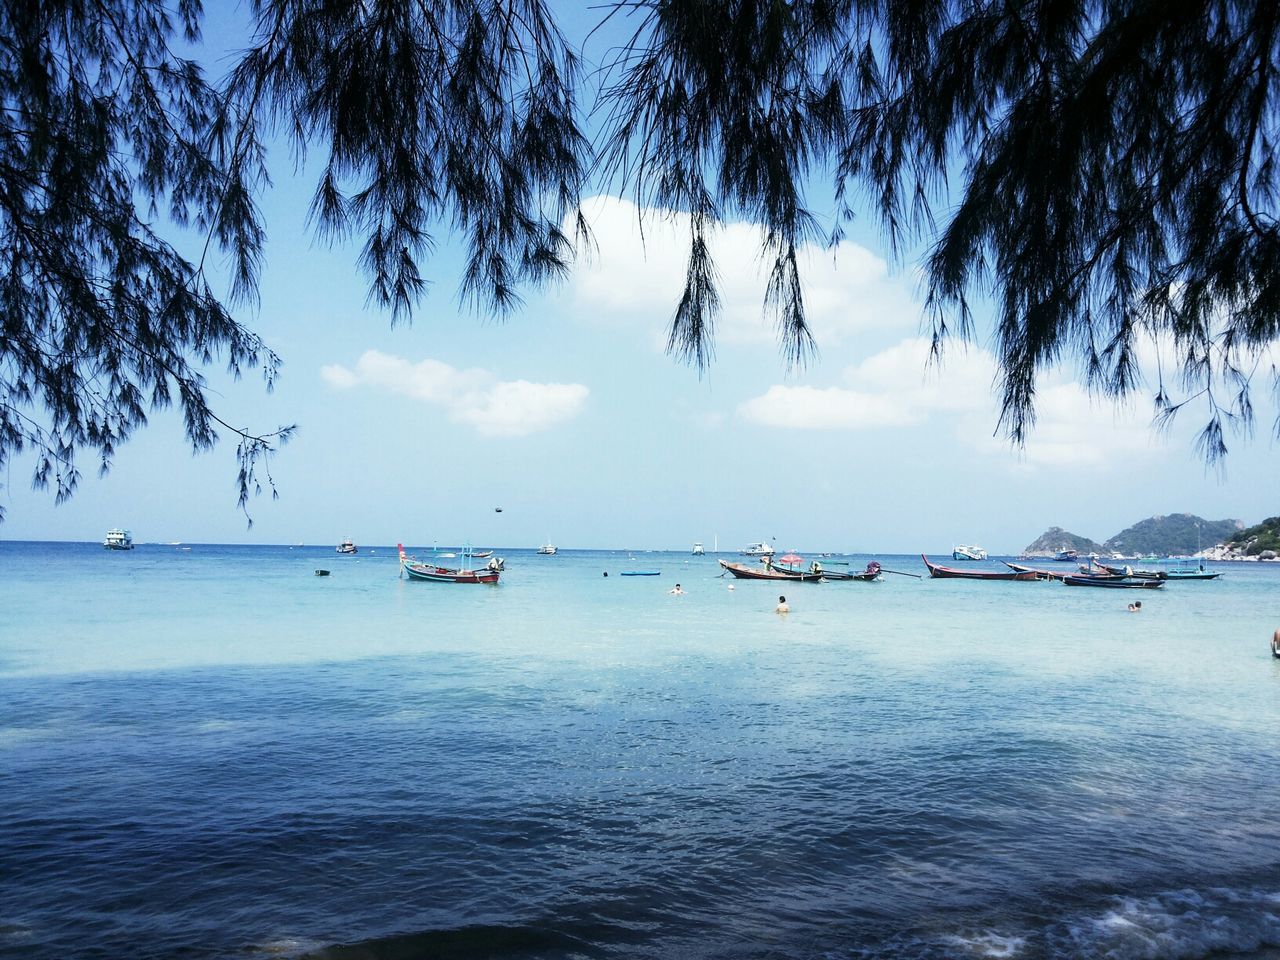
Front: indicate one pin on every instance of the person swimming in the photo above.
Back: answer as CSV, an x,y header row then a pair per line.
x,y
783,606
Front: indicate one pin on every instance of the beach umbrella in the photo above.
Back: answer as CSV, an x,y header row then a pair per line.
x,y
791,558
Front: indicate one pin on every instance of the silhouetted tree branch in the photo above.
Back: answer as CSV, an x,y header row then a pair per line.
x,y
1103,171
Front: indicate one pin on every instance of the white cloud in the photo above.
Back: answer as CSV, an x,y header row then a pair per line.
x,y
474,397
1074,429
832,408
636,270
894,388
337,376
899,388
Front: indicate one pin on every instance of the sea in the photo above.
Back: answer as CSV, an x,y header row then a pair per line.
x,y
211,753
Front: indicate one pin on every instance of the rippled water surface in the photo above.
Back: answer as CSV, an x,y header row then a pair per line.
x,y
213,753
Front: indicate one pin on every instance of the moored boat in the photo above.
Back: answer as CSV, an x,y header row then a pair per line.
x,y
819,571
118,539
1040,574
869,575
1113,582
346,546
745,571
437,574
966,551
1173,573
941,572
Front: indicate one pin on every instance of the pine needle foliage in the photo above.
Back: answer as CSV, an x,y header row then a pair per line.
x,y
105,131
450,114
429,113
1103,170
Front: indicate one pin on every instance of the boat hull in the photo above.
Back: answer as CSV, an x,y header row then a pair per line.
x,y
823,574
1123,583
431,573
445,575
1040,574
744,572
1161,574
865,576
949,573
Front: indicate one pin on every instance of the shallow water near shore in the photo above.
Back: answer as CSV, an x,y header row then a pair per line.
x,y
213,753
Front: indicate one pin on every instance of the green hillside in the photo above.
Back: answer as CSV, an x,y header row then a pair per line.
x,y
1176,534
1264,536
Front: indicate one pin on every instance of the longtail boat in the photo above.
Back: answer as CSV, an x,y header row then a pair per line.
x,y
1040,574
869,575
746,572
951,572
1174,574
436,574
1113,582
820,571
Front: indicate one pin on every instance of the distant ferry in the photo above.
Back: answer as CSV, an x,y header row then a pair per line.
x,y
548,549
1067,554
697,549
118,539
346,546
758,550
965,551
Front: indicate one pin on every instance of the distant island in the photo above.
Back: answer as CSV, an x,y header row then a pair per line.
x,y
1178,534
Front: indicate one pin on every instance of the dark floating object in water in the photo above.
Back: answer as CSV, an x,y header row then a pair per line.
x,y
497,509
322,573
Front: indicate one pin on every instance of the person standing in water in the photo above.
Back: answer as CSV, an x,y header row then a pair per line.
x,y
782,606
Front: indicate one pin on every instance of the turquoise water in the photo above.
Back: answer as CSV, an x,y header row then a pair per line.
x,y
213,753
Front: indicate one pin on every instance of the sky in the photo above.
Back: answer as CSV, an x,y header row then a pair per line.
x,y
571,417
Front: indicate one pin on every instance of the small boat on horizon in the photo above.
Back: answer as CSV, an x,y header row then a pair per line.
x,y
697,549
760,549
548,549
966,551
346,546
118,539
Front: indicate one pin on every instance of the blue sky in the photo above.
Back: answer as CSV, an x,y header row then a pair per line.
x,y
571,417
